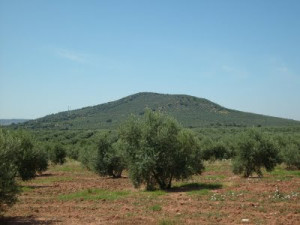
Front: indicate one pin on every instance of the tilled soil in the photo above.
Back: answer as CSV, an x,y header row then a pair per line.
x,y
215,197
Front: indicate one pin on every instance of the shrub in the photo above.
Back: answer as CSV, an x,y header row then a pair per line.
x,y
255,151
158,150
109,159
58,154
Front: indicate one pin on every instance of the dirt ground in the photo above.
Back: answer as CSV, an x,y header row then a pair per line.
x,y
69,194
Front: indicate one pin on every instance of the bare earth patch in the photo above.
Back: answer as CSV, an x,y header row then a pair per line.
x,y
69,194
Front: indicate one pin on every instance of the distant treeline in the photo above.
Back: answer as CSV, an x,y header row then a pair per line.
x,y
6,122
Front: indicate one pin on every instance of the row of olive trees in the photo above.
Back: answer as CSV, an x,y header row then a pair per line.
x,y
156,149
18,158
22,158
254,148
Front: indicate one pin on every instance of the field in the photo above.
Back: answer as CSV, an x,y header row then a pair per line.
x,y
69,194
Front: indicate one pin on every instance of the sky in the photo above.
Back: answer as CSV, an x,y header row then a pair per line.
x,y
58,55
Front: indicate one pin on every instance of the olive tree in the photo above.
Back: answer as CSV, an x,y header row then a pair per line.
x,y
58,154
109,159
159,150
289,151
291,156
254,152
19,157
29,159
8,169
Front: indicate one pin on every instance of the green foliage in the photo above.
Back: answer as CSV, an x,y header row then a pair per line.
x,y
87,156
215,150
159,150
8,170
58,154
156,208
41,163
291,156
109,160
290,151
73,152
255,151
29,159
18,157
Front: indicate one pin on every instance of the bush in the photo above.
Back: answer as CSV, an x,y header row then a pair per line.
x,y
158,150
58,154
109,159
255,151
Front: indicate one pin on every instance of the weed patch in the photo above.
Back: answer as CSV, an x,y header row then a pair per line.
x,y
26,189
214,177
94,194
156,208
50,180
153,194
199,192
280,173
167,222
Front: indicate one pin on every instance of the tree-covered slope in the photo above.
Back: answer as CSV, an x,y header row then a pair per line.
x,y
188,110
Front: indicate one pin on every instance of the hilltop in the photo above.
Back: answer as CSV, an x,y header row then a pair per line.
x,y
190,111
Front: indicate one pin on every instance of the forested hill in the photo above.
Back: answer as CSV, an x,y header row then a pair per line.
x,y
188,110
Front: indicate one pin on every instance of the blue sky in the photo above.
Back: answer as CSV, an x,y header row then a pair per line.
x,y
243,55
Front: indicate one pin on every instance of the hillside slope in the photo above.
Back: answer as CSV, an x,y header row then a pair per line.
x,y
188,110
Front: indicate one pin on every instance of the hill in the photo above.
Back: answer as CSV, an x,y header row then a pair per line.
x,y
6,122
188,110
